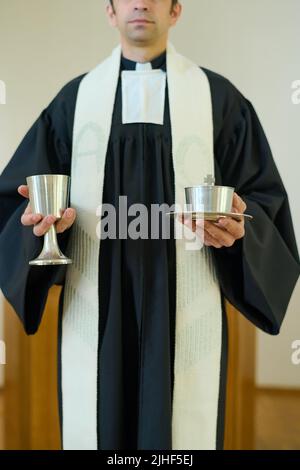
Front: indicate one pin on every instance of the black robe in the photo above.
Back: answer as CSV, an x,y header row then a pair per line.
x,y
137,277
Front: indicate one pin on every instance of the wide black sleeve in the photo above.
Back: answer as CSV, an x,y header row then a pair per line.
x,y
259,272
44,149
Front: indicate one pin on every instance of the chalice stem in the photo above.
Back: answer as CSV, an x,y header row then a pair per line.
x,y
50,248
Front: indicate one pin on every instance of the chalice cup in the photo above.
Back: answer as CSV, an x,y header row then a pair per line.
x,y
49,195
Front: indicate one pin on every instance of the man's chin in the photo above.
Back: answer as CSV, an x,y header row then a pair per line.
x,y
141,38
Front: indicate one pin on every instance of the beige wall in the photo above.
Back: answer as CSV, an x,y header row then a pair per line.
x,y
45,43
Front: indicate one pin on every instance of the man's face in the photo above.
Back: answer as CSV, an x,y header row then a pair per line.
x,y
143,22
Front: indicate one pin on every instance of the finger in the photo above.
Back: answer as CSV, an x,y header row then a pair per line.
x,y
221,235
30,219
205,236
43,227
234,227
66,221
23,190
28,209
188,221
238,204
211,241
198,226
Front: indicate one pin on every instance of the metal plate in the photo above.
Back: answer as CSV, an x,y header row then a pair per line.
x,y
212,216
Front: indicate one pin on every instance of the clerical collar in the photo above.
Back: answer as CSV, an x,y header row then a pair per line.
x,y
143,90
158,62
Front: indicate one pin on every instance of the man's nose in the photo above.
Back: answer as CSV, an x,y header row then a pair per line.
x,y
141,5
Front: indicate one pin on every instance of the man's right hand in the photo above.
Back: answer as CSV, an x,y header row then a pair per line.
x,y
42,224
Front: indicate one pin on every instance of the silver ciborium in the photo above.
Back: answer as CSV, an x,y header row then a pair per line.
x,y
210,198
49,195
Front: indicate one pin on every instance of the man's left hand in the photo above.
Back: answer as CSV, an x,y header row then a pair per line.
x,y
222,233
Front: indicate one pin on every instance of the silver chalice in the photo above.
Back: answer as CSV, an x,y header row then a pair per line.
x,y
49,195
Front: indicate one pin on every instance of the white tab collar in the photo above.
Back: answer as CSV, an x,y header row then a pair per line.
x,y
143,66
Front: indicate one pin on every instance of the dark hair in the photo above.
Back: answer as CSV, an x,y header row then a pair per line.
x,y
173,2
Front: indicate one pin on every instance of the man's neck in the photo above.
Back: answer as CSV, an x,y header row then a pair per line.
x,y
142,54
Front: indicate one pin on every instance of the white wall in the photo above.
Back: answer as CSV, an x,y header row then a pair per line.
x,y
45,43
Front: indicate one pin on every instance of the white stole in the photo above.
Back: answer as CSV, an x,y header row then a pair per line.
x,y
198,311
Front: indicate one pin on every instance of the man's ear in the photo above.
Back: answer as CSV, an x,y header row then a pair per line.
x,y
111,5
110,12
175,13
